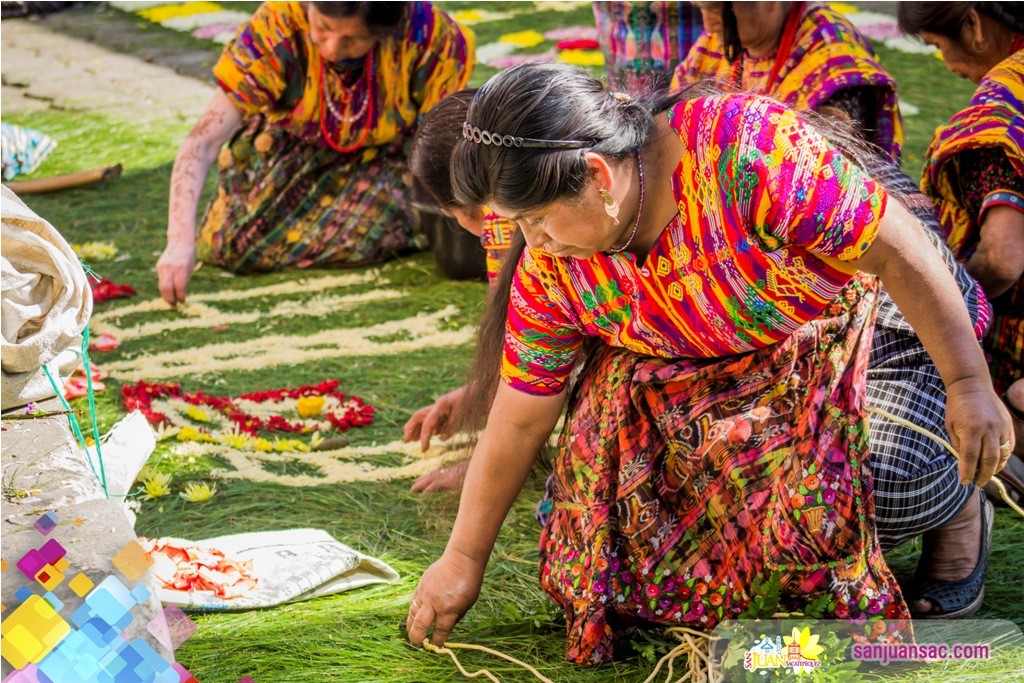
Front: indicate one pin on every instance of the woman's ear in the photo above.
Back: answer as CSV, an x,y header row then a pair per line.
x,y
973,35
600,171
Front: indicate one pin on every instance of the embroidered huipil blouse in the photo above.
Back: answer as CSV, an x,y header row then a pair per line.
x,y
271,67
761,195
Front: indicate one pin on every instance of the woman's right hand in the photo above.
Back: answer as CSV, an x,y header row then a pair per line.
x,y
445,593
174,269
432,419
195,157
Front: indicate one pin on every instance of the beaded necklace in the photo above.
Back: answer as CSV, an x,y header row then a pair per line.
x,y
639,208
365,110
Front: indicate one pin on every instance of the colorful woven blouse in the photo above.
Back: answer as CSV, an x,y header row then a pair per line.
x,y
993,120
271,67
760,194
496,239
828,57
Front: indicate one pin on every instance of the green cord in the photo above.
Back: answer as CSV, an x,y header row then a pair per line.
x,y
102,474
92,408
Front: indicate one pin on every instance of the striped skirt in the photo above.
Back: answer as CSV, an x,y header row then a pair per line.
x,y
282,202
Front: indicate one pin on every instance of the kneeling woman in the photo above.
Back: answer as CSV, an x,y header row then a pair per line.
x,y
316,100
718,434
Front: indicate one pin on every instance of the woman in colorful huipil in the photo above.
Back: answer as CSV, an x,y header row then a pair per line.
x,y
644,41
430,180
431,187
975,164
917,483
974,171
718,433
804,54
315,102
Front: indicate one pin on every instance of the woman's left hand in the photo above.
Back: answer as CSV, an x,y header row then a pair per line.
x,y
979,428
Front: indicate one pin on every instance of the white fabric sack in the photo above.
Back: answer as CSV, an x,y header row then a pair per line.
x,y
288,566
46,303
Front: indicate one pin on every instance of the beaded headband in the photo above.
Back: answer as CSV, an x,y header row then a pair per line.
x,y
483,137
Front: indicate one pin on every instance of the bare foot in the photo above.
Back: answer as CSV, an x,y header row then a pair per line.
x,y
952,551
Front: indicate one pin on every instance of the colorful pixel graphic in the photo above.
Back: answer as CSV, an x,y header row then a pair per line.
x,y
48,641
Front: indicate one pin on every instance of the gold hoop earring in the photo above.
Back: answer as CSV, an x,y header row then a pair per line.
x,y
611,206
977,50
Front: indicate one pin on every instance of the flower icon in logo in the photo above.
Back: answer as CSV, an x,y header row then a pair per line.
x,y
802,650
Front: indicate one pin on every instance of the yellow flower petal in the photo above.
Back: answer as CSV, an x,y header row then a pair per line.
x,y
310,406
197,414
523,39
198,492
162,13
582,57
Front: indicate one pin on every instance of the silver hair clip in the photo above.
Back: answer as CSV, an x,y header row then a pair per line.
x,y
484,137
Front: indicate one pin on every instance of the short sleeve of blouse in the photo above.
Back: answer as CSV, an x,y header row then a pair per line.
x,y
791,185
542,335
260,67
442,54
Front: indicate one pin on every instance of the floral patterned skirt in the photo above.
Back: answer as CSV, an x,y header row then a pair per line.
x,y
283,202
678,483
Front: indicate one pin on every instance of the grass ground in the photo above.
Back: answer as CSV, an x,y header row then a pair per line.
x,y
356,636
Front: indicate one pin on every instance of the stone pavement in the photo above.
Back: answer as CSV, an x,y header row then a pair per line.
x,y
43,69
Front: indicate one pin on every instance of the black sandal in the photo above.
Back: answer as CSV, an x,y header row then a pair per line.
x,y
957,599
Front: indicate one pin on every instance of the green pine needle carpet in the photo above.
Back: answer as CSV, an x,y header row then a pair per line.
x,y
358,636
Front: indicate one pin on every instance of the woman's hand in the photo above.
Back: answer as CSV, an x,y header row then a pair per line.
x,y
445,593
448,478
174,270
979,426
516,428
434,419
195,157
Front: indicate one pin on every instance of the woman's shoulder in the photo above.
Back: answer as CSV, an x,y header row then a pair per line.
x,y
423,20
1003,83
281,16
824,26
726,112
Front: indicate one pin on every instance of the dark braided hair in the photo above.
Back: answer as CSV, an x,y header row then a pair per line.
x,y
948,19
731,43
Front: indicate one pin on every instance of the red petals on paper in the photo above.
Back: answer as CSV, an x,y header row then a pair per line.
x,y
105,342
192,569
